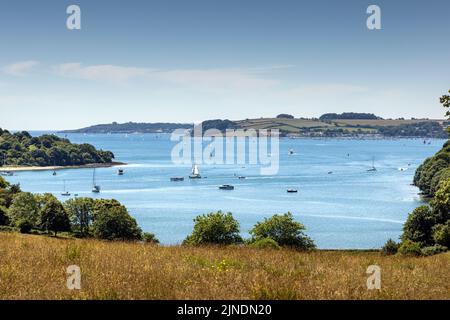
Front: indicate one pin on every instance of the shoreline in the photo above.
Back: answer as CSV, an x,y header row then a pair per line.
x,y
58,168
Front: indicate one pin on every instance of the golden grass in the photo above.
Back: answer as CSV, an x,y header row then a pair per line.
x,y
34,267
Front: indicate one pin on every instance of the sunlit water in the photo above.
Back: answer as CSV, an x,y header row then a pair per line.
x,y
351,208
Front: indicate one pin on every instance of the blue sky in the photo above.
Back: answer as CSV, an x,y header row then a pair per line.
x,y
185,61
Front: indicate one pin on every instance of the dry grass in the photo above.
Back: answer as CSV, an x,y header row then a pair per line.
x,y
33,267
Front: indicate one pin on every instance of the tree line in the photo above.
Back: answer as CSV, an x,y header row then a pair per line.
x,y
21,149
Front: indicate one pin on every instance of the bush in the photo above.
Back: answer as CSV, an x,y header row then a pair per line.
x,y
433,250
24,226
113,222
410,248
149,238
265,243
390,247
419,225
283,230
441,234
214,228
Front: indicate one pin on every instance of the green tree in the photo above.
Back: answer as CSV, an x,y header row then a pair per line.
x,y
80,211
3,183
24,207
54,217
441,234
113,222
441,202
419,226
214,228
284,230
445,101
3,216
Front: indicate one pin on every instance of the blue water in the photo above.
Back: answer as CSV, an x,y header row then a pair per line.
x,y
351,208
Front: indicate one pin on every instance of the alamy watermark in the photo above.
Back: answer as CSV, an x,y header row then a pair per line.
x,y
73,277
232,147
374,280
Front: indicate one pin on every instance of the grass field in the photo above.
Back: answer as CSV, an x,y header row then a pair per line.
x,y
34,267
297,125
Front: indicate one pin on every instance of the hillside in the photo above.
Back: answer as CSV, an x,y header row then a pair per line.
x,y
372,127
350,127
33,267
131,127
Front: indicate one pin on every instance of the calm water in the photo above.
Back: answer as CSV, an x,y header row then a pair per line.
x,y
351,208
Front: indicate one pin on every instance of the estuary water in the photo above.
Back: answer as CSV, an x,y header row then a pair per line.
x,y
348,209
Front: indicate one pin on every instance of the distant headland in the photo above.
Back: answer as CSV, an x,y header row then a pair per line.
x,y
347,124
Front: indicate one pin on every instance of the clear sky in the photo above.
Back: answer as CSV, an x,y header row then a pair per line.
x,y
191,60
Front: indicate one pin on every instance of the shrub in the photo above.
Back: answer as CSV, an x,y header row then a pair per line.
x,y
215,228
410,248
419,225
390,247
113,222
283,230
441,234
265,243
149,238
24,226
433,250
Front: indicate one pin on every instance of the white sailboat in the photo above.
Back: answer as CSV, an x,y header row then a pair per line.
x,y
65,193
373,169
95,188
195,174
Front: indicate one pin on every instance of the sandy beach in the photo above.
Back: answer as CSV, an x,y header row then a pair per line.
x,y
56,168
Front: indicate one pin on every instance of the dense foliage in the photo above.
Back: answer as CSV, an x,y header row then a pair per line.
x,y
428,226
214,228
83,217
425,129
21,149
285,116
221,125
284,231
113,222
349,116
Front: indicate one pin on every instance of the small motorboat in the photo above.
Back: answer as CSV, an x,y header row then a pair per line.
x,y
174,179
7,173
291,152
120,172
226,187
330,172
292,190
242,178
54,173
